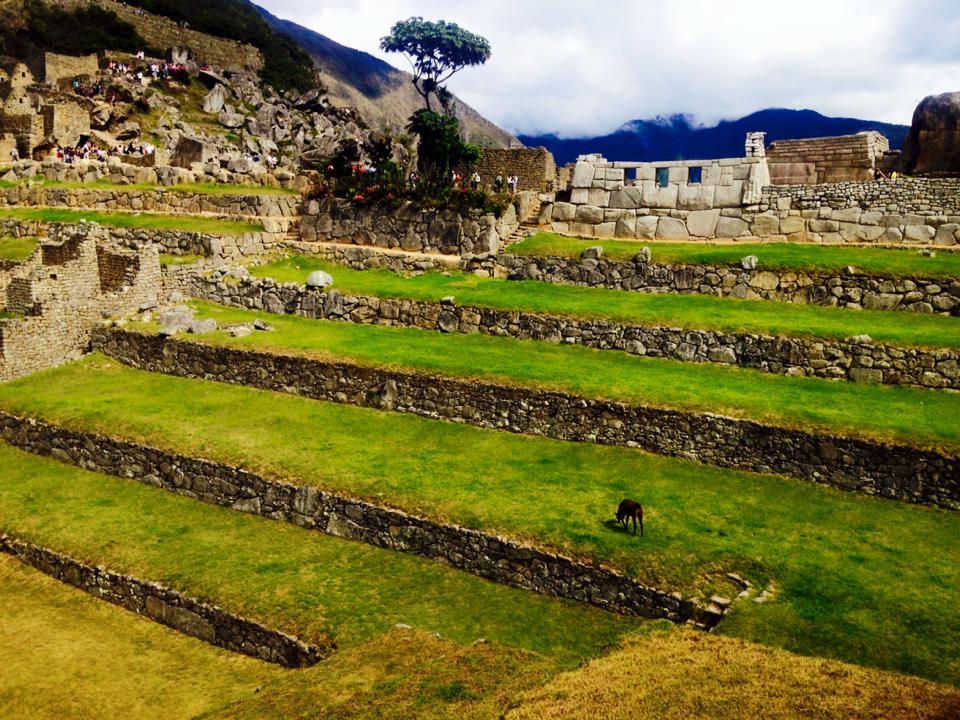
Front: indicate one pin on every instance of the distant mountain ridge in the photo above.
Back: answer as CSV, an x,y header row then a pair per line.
x,y
677,138
383,95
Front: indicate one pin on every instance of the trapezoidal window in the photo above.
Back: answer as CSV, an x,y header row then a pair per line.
x,y
696,176
663,177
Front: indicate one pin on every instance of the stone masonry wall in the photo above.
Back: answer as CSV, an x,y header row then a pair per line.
x,y
359,257
815,161
67,67
908,210
61,298
163,33
840,289
281,207
218,249
534,167
903,473
855,359
495,558
171,608
406,227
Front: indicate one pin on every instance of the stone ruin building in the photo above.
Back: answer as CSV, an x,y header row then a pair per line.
x,y
55,298
37,113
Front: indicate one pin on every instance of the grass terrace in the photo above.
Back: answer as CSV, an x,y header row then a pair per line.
x,y
663,310
893,413
301,582
183,188
17,249
855,578
66,653
772,256
152,221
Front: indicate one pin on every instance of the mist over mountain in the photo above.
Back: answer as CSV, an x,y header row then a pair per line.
x,y
678,138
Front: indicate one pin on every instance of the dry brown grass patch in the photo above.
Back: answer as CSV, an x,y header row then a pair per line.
x,y
681,674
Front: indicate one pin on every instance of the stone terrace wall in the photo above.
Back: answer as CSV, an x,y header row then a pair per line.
x,y
815,161
853,359
219,249
406,227
909,210
534,167
839,289
163,33
171,608
359,257
64,291
282,207
495,558
903,473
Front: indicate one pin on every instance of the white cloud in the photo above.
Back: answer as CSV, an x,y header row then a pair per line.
x,y
585,68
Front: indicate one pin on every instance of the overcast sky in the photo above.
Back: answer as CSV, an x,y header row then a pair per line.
x,y
586,67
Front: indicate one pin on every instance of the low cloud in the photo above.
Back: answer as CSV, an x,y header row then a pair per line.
x,y
584,69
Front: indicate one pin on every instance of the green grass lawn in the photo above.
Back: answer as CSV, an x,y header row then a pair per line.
x,y
893,413
17,249
302,582
682,311
155,221
858,578
781,256
173,260
183,188
67,654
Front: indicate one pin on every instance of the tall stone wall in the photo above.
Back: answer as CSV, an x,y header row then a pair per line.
x,y
163,34
815,161
493,557
534,167
857,359
406,227
63,295
171,608
663,200
891,471
59,68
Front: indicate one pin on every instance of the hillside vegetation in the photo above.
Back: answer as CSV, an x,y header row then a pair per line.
x,y
286,66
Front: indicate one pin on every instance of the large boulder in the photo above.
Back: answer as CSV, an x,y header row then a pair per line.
x,y
933,144
214,100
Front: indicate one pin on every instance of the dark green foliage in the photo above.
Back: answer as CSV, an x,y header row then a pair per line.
x,y
440,149
437,51
80,31
286,65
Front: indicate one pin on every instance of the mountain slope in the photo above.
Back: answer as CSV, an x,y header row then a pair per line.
x,y
383,95
675,138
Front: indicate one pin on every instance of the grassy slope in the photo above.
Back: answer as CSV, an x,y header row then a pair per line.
x,y
884,412
681,311
679,675
302,582
156,221
399,675
787,256
17,249
67,654
860,579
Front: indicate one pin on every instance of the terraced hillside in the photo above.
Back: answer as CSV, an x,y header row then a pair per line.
x,y
419,472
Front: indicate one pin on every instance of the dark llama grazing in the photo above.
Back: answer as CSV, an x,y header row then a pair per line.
x,y
630,509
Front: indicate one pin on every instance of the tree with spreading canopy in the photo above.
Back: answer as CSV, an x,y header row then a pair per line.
x,y
436,51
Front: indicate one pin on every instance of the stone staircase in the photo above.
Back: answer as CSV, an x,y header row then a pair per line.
x,y
529,225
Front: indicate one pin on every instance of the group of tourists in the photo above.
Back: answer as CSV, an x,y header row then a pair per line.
x,y
154,70
91,150
88,91
512,183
